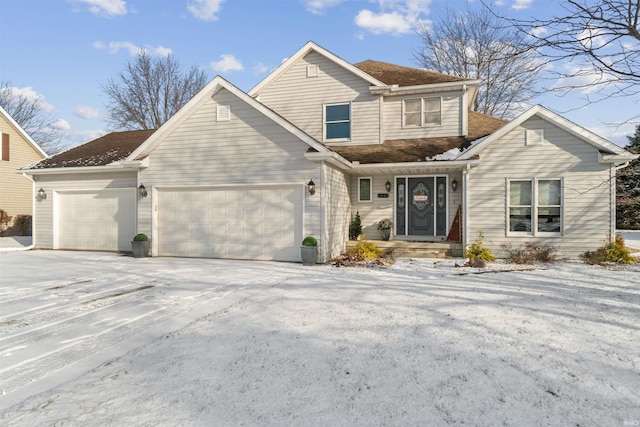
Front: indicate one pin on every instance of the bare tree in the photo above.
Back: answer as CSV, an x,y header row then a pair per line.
x,y
597,45
474,44
33,115
149,91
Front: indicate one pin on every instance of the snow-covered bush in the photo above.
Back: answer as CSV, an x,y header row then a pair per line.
x,y
611,252
530,253
478,251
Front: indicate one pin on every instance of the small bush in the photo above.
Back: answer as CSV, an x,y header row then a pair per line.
x,y
355,228
367,250
22,225
5,218
610,252
530,254
309,241
477,251
140,238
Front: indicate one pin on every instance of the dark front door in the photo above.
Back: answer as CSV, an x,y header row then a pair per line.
x,y
421,206
421,218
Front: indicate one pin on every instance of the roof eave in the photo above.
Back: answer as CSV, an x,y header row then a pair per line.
x,y
118,166
426,88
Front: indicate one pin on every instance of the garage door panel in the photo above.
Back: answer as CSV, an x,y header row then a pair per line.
x,y
96,220
231,223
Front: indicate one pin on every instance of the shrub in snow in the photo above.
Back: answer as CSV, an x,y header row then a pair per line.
x,y
611,252
355,228
530,254
367,250
478,251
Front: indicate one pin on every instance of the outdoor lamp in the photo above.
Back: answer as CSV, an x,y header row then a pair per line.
x,y
454,185
387,185
42,194
142,191
312,187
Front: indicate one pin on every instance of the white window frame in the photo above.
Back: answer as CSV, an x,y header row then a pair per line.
x,y
535,206
423,112
324,122
360,179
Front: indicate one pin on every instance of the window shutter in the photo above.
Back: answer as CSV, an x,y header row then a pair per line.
x,y
5,146
223,113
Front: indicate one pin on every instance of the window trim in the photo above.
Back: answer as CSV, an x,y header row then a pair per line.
x,y
534,208
422,112
324,122
360,179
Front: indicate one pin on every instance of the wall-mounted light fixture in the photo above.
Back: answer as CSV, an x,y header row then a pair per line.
x,y
42,194
311,186
142,191
454,185
387,185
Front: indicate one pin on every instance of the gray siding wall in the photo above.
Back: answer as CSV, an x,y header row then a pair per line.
x,y
586,189
249,148
300,99
337,212
451,120
44,209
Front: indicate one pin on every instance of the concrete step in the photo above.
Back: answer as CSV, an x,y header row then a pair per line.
x,y
411,249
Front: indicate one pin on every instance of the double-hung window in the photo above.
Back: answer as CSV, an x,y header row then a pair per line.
x,y
422,112
535,206
337,122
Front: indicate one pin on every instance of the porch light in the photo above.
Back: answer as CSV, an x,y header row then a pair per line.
x,y
311,186
387,185
142,191
454,185
42,194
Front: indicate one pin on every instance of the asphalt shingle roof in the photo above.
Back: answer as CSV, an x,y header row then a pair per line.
x,y
391,74
102,151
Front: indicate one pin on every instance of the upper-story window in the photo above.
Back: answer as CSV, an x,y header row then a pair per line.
x,y
422,112
337,122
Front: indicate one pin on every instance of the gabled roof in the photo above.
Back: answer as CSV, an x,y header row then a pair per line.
x,y
391,74
418,150
213,87
22,132
537,110
302,52
105,150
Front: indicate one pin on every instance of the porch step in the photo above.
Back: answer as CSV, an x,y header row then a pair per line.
x,y
407,249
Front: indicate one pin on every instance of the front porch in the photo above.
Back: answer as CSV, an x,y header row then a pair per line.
x,y
415,249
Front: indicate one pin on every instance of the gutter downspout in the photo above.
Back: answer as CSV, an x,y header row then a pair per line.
x,y
33,213
465,206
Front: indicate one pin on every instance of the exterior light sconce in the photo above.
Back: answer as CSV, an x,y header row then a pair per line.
x,y
387,185
311,186
142,191
42,195
454,185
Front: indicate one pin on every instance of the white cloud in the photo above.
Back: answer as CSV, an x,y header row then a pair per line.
x,y
521,4
205,10
60,125
106,8
87,112
227,63
394,16
260,68
379,23
317,7
538,31
133,49
28,93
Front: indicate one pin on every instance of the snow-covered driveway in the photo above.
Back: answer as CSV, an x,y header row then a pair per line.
x,y
208,342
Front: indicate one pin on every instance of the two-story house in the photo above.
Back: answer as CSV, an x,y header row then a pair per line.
x,y
17,194
249,175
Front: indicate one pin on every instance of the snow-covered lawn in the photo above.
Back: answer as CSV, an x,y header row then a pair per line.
x,y
103,339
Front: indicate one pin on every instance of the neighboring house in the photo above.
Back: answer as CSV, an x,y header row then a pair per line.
x,y
16,191
228,175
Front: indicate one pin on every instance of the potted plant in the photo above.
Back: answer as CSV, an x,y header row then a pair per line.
x,y
309,250
385,225
140,245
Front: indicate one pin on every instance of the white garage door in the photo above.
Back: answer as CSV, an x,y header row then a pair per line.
x,y
97,220
262,223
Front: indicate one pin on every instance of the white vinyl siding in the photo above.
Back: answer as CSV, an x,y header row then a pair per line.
x,y
337,212
586,201
301,99
46,217
422,117
248,149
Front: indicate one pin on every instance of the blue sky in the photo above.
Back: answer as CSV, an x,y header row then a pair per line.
x,y
64,50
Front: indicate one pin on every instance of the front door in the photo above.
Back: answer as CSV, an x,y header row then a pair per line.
x,y
421,206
